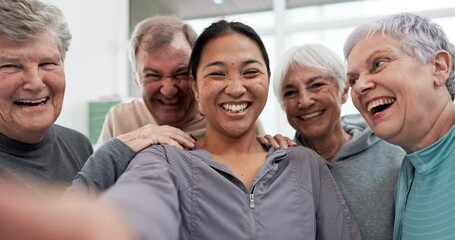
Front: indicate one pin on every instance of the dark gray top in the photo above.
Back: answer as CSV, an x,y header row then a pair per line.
x,y
55,159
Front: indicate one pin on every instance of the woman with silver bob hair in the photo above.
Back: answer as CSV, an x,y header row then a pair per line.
x,y
400,69
310,83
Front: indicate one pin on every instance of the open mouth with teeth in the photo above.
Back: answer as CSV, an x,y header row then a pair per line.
x,y
310,115
380,105
170,101
31,103
235,108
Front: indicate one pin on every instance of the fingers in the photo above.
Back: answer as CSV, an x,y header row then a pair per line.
x,y
152,134
278,141
176,137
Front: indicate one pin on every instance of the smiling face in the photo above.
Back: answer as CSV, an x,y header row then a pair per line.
x,y
399,97
232,84
162,75
312,102
32,83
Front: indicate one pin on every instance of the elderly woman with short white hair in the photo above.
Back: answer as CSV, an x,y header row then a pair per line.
x,y
400,69
310,82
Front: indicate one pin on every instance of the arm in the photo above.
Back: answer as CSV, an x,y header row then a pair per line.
x,y
104,167
26,215
146,194
109,161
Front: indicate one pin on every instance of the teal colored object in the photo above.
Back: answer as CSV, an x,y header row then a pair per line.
x,y
97,111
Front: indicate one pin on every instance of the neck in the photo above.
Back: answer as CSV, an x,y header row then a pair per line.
x,y
218,143
328,145
29,138
436,130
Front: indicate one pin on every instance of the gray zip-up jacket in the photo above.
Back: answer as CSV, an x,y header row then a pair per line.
x,y
166,193
366,171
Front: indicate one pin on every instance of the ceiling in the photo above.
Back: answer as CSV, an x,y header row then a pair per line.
x,y
191,9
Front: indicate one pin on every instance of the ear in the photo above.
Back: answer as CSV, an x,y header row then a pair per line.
x,y
136,78
442,66
194,86
344,94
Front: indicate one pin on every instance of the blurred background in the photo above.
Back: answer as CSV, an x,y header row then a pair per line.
x,y
98,73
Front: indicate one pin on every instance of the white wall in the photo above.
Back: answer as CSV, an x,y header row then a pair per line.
x,y
96,63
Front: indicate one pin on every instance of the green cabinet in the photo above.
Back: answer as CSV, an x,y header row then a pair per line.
x,y
97,111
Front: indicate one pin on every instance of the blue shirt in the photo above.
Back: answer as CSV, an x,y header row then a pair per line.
x,y
425,204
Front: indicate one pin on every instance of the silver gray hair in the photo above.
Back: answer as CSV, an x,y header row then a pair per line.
x,y
312,56
157,32
21,20
417,35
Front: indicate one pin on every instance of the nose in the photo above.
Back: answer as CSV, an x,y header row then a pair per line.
x,y
363,85
306,100
168,87
33,80
235,87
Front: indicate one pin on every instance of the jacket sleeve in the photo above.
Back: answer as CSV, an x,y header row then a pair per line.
x,y
146,194
334,220
103,167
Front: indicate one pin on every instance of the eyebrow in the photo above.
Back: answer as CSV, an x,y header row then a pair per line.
x,y
310,81
220,63
371,56
177,70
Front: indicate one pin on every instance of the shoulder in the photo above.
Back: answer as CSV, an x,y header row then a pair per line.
x,y
71,142
159,153
127,107
305,158
68,134
353,121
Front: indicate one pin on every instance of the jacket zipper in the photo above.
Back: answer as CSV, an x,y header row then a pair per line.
x,y
251,214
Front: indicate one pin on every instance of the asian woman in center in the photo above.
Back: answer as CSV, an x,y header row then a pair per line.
x,y
230,186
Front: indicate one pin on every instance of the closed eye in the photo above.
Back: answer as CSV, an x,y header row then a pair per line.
x,y
9,68
251,73
316,85
49,65
216,75
289,93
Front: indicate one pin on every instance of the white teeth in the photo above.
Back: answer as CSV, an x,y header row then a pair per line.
x,y
235,108
32,101
310,115
171,101
379,103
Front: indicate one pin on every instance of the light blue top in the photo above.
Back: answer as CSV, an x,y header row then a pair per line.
x,y
425,203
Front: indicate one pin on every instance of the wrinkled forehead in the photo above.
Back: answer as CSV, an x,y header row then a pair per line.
x,y
156,42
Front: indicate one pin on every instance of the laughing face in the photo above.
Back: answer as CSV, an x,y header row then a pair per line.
x,y
232,84
312,102
393,91
162,75
32,83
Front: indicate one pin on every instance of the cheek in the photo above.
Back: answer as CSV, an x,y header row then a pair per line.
x,y
149,90
184,86
289,107
57,84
